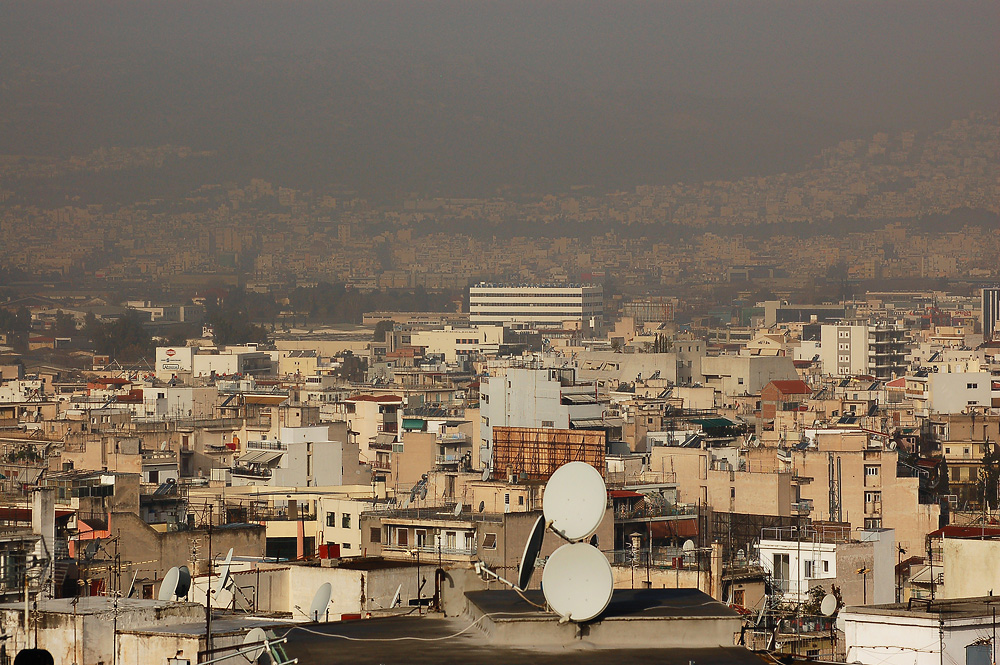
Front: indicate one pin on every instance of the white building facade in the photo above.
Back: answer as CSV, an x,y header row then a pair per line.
x,y
545,306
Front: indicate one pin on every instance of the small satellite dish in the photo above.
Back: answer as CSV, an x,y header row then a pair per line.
x,y
320,601
575,500
482,506
530,555
224,571
458,509
163,445
90,551
423,492
396,599
169,585
406,503
255,636
577,582
486,474
688,546
829,605
183,581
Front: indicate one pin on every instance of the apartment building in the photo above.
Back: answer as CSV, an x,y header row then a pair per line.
x,y
531,395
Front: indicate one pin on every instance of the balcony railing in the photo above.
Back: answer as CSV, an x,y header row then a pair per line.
x,y
431,550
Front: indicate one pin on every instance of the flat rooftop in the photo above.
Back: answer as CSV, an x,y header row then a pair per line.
x,y
981,606
433,640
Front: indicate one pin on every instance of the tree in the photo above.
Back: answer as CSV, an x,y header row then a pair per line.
x,y
125,339
989,476
382,328
65,324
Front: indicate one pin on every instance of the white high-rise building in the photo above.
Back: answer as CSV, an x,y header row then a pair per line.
x,y
990,311
538,305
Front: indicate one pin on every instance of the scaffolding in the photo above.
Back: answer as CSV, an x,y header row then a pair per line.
x,y
529,453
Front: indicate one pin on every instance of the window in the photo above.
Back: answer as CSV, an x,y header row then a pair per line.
x,y
375,534
873,497
873,523
947,451
345,546
871,470
971,386
739,381
331,519
490,541
732,492
826,566
506,499
739,597
548,423
402,537
345,521
807,569
520,500
421,536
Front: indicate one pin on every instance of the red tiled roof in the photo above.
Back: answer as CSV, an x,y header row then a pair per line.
x,y
674,528
792,387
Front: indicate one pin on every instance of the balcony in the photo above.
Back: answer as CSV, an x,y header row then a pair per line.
x,y
802,507
430,551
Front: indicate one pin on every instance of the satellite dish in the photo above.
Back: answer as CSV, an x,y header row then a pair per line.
x,y
829,605
396,599
577,582
530,556
90,551
423,492
255,636
688,546
575,500
482,506
131,587
320,601
163,445
486,474
224,571
458,509
183,581
406,503
169,585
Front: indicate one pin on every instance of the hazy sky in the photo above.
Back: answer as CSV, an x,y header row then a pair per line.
x,y
464,96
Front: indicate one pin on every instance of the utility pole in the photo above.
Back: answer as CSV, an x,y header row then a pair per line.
x,y
208,591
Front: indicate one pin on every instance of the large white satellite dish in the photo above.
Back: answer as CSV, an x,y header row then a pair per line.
x,y
255,636
530,556
224,571
575,500
577,582
320,601
829,605
169,585
688,546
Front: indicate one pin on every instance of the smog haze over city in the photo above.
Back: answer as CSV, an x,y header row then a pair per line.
x,y
464,99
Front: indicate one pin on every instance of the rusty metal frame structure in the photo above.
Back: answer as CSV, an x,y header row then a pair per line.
x,y
533,453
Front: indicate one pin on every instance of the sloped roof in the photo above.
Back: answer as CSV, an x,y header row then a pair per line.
x,y
792,387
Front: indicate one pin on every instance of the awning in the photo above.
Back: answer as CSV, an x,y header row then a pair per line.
x,y
385,438
260,457
580,399
674,528
587,423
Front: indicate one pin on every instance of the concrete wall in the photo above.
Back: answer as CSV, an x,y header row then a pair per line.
x,y
965,572
159,552
88,637
905,639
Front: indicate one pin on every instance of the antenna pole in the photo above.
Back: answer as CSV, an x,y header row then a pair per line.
x,y
208,591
